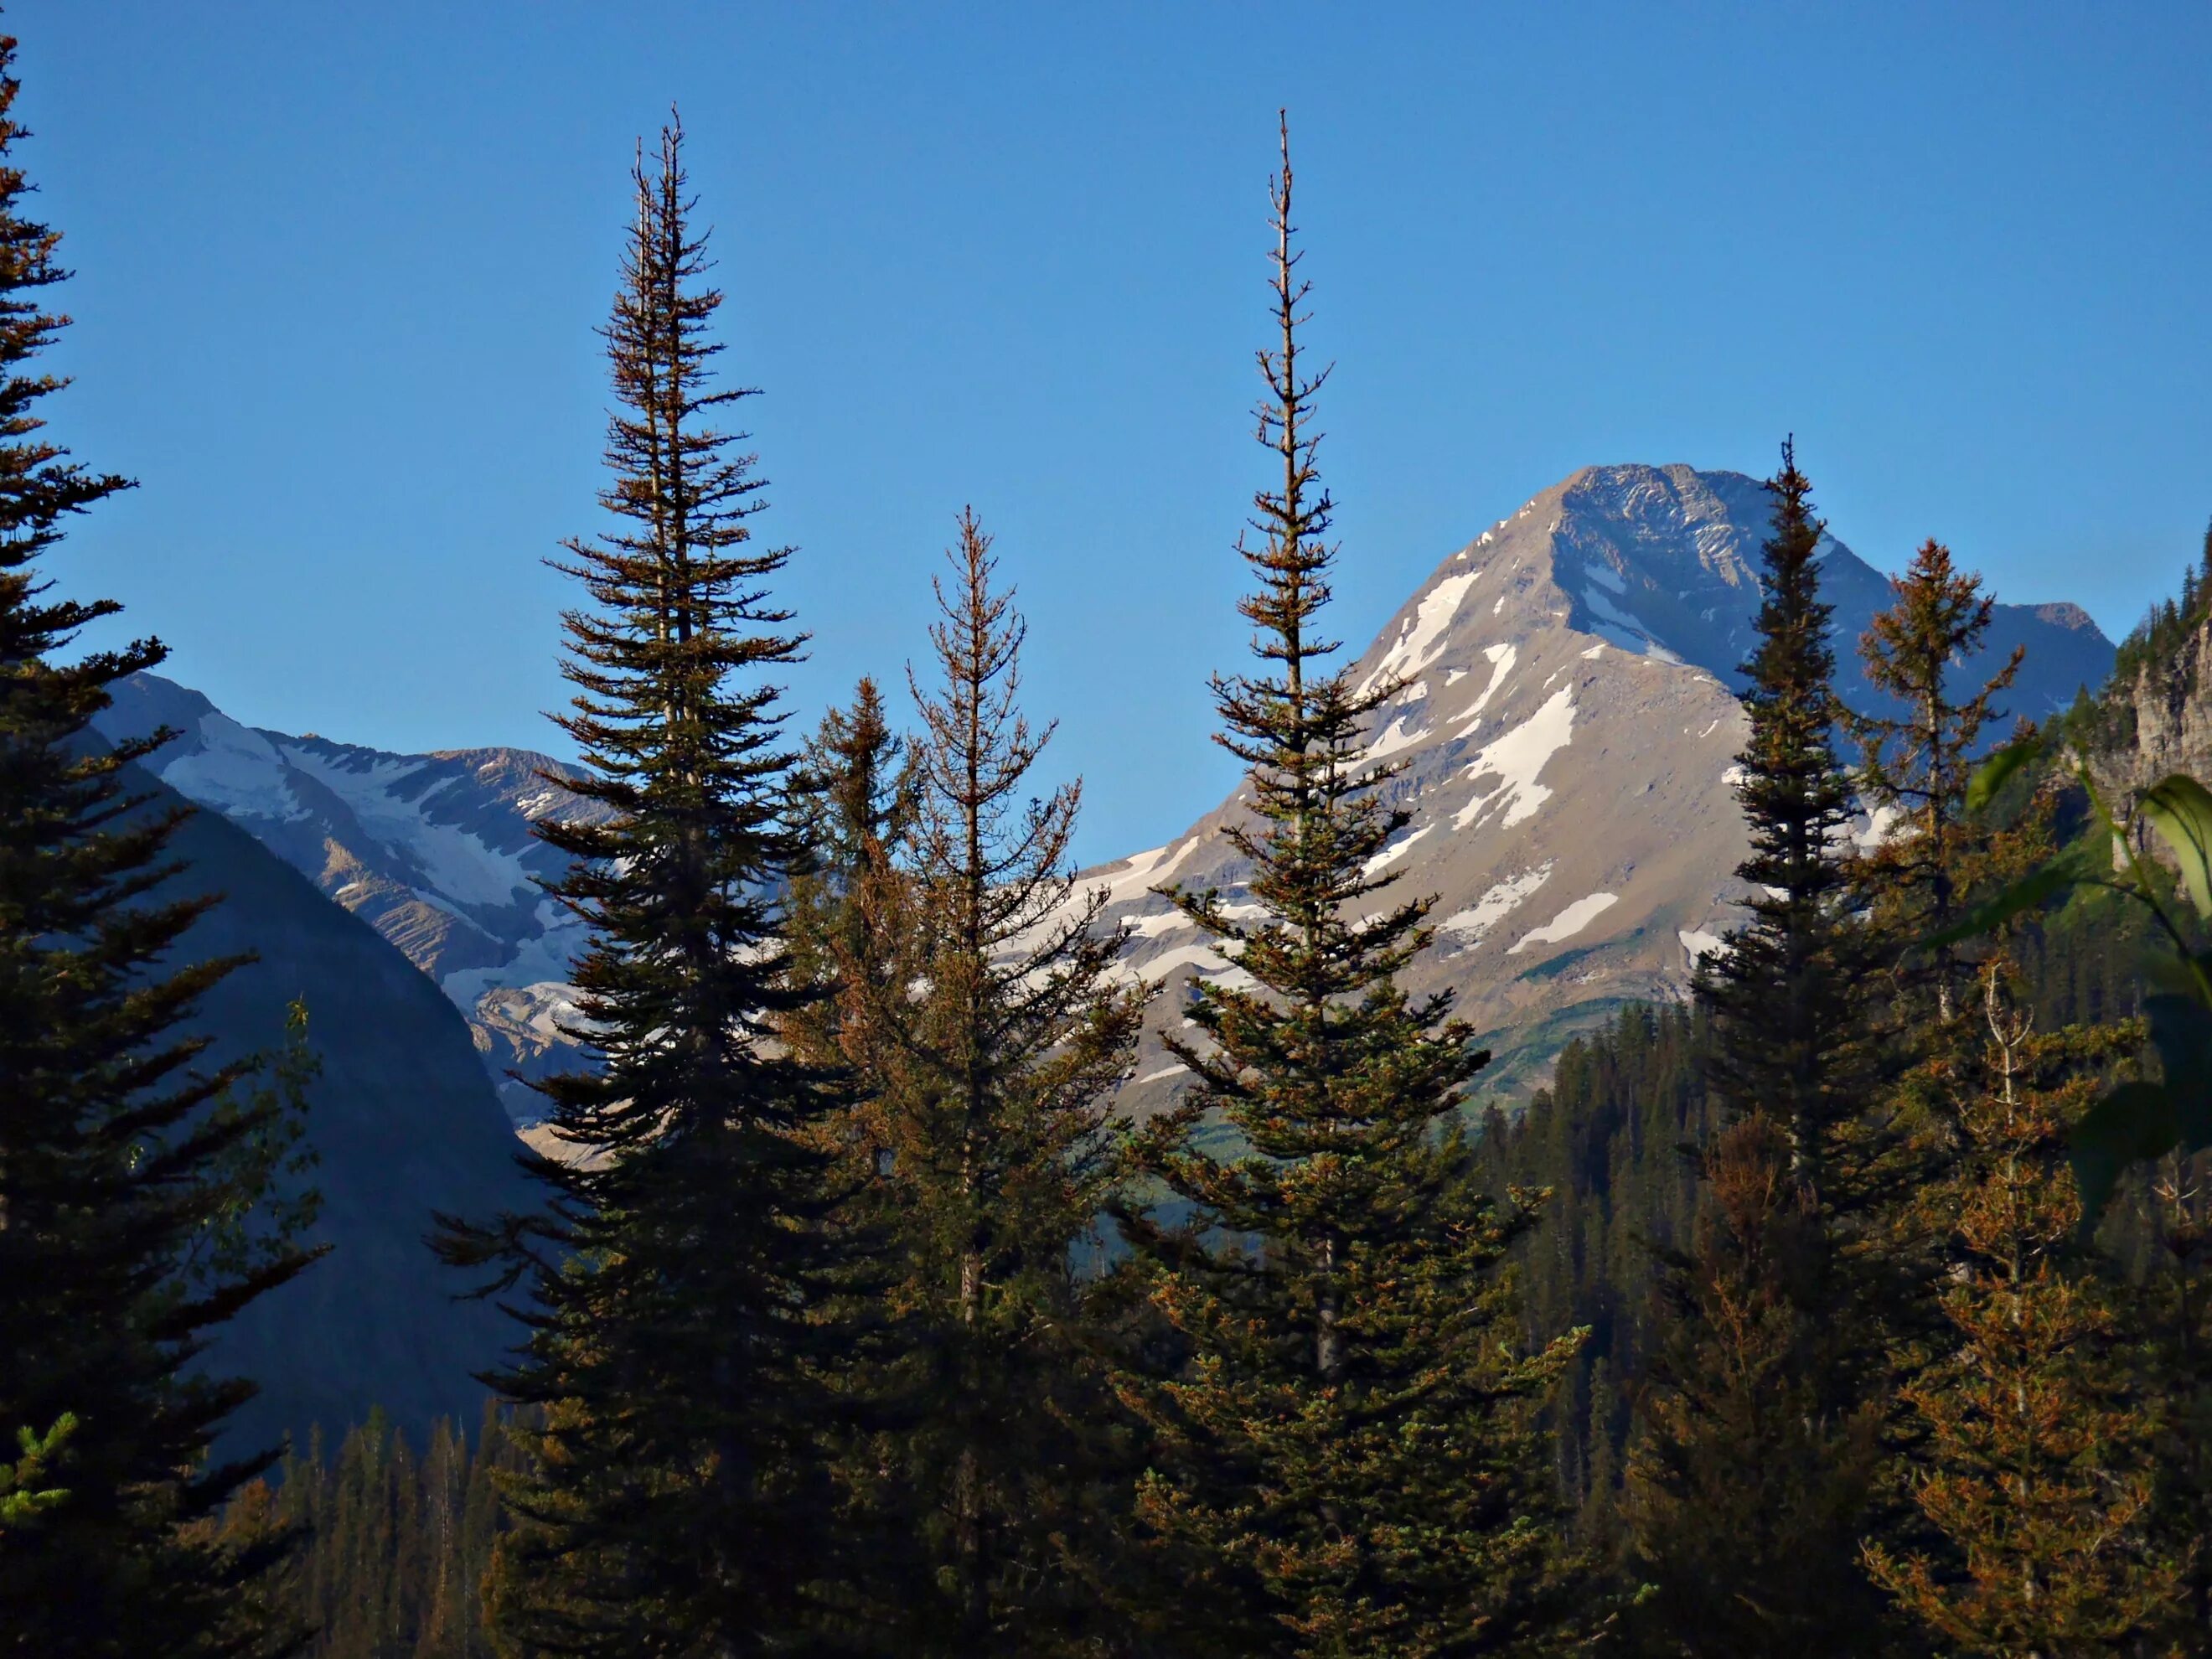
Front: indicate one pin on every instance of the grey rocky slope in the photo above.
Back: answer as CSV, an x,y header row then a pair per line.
x,y
434,851
1568,726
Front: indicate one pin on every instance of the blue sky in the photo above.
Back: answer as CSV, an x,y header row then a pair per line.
x,y
340,268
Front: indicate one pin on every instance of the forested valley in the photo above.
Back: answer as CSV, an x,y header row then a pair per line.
x,y
1854,1305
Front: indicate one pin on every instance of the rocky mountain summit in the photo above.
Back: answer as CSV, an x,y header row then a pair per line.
x,y
1567,726
1568,722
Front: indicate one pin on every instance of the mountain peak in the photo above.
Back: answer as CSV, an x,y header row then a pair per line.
x,y
1563,733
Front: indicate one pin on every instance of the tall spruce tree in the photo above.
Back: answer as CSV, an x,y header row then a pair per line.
x,y
119,1158
1750,1487
675,1503
851,933
995,1102
1344,1459
1788,1014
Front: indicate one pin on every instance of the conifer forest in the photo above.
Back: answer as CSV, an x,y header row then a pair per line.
x,y
1854,1300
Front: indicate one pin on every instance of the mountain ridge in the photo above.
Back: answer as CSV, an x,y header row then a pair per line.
x,y
434,851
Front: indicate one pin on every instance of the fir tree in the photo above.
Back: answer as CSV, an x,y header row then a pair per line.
x,y
1788,1015
2038,1474
850,920
122,1152
1345,1464
1748,1484
1775,1315
675,1502
1914,766
995,1106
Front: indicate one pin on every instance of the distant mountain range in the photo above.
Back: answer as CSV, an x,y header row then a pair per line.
x,y
1568,726
1568,729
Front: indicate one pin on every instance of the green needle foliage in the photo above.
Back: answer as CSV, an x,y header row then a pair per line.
x,y
676,1502
127,1166
1789,1016
1345,1462
847,925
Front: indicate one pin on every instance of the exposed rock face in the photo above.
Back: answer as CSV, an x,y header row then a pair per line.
x,y
434,851
1568,726
2171,729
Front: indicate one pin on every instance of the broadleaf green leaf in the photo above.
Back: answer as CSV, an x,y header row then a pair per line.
x,y
1990,777
2046,882
2134,1121
2181,1031
2180,809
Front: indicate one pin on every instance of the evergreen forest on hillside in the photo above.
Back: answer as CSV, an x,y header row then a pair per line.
x,y
1854,1306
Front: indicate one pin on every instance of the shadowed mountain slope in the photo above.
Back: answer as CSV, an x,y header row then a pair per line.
x,y
434,852
405,1123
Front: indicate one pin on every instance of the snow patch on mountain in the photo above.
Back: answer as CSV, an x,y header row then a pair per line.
x,y
1486,912
1569,923
1500,658
1517,759
1404,732
1396,850
236,770
1422,635
1153,927
1139,874
1699,944
455,862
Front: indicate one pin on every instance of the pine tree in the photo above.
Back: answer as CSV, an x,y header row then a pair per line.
x,y
1775,1314
1345,1462
676,1502
996,1104
121,1150
2038,1474
1929,863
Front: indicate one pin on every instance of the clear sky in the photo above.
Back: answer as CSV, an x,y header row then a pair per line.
x,y
340,268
